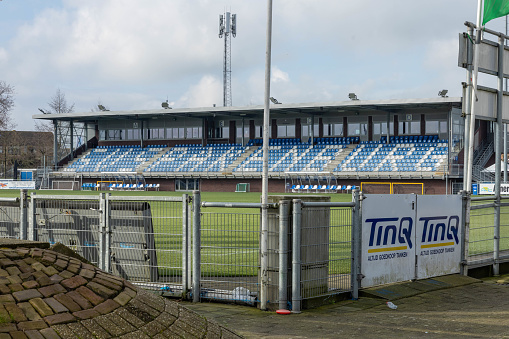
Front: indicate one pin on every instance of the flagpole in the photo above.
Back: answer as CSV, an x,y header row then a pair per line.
x,y
473,105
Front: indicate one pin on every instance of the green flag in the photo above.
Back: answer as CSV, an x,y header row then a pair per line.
x,y
494,9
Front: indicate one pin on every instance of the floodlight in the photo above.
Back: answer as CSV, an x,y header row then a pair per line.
x,y
274,100
352,96
165,105
43,111
443,93
102,108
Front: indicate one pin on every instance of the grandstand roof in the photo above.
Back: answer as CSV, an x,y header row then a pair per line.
x,y
277,110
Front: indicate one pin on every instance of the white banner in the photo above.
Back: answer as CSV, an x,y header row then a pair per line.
x,y
438,235
405,237
489,189
16,185
388,238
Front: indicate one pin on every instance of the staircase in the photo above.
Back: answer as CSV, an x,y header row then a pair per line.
x,y
484,153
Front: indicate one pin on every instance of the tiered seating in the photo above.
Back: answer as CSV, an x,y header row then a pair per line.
x,y
291,155
197,158
115,159
402,154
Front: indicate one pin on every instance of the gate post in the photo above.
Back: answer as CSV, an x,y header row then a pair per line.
x,y
102,230
31,217
296,257
185,242
283,253
107,246
196,246
356,246
23,214
465,205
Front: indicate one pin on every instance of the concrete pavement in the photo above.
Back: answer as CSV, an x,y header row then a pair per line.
x,y
446,307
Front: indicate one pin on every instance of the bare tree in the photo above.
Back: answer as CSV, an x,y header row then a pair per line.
x,y
58,105
6,105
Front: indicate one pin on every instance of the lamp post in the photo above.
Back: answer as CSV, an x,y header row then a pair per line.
x,y
265,173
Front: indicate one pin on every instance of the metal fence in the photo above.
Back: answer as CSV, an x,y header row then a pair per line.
x,y
313,246
488,231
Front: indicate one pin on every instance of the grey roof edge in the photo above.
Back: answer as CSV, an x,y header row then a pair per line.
x,y
240,109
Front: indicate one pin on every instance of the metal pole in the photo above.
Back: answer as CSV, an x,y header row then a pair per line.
x,y
102,231
23,214
505,151
468,109
465,204
107,247
498,152
185,240
196,246
189,248
265,174
474,97
31,217
296,260
283,253
356,246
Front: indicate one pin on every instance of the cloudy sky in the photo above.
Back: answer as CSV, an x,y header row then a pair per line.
x,y
135,54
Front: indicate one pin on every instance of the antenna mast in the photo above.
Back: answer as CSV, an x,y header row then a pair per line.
x,y
227,28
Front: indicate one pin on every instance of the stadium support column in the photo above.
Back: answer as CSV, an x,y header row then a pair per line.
x,y
141,134
55,144
265,173
71,141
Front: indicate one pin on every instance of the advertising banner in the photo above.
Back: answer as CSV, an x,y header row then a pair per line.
x,y
408,236
438,235
388,238
489,189
16,185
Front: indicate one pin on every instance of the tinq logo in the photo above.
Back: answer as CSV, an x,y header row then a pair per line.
x,y
437,231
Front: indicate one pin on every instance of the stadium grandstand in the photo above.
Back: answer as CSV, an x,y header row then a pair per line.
x,y
397,145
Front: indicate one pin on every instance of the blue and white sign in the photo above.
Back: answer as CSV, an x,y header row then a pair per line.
x,y
489,189
16,185
407,237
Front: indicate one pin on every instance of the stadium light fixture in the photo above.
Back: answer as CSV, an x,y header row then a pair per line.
x,y
165,105
40,109
274,101
443,93
102,108
353,96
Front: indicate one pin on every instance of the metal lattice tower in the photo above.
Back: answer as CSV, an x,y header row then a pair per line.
x,y
227,28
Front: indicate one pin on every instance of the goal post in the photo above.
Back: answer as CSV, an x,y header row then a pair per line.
x,y
71,185
242,188
392,187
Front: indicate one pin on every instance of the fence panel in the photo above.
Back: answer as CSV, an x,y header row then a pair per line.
x,y
482,229
72,221
147,241
10,218
230,254
326,251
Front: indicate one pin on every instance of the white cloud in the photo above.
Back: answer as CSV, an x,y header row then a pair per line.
x,y
135,55
207,92
279,75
